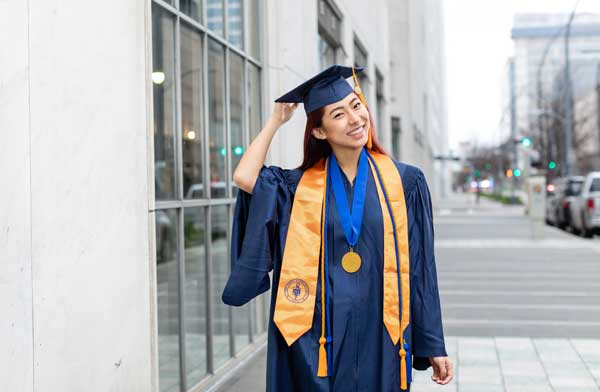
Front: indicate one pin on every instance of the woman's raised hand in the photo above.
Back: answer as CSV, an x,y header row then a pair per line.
x,y
282,112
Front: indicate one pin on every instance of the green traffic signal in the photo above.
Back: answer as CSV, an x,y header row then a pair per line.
x,y
477,173
526,142
517,172
551,165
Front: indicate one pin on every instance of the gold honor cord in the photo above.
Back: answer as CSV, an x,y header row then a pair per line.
x,y
322,368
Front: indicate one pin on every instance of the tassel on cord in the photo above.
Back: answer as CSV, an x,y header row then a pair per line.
x,y
322,369
358,92
403,375
322,372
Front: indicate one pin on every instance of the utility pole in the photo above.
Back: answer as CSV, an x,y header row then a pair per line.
x,y
568,102
513,122
598,105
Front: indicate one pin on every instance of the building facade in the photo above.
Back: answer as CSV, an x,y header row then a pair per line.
x,y
120,133
539,69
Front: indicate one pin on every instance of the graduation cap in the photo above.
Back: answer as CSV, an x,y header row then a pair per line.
x,y
323,89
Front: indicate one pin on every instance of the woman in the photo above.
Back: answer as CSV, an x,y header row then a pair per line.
x,y
349,238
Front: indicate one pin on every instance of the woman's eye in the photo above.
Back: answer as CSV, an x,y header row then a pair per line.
x,y
357,105
339,115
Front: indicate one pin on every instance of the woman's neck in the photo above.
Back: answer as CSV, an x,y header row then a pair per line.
x,y
347,160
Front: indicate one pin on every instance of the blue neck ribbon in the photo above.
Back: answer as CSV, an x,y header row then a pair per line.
x,y
351,222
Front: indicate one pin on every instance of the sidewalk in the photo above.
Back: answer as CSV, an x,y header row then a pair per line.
x,y
518,364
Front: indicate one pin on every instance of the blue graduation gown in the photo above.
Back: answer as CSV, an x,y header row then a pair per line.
x,y
363,356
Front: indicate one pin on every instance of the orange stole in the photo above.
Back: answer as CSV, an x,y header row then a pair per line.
x,y
296,294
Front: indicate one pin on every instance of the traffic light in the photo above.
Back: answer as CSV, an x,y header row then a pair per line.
x,y
517,172
551,165
477,174
509,173
526,142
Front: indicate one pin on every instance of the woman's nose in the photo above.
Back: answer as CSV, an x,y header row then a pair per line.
x,y
354,118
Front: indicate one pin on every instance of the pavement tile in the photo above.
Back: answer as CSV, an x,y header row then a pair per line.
x,y
556,350
481,387
588,349
417,387
516,349
568,369
522,368
482,350
529,388
594,369
525,380
480,375
573,382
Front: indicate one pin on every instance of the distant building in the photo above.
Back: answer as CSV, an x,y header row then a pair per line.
x,y
587,132
539,58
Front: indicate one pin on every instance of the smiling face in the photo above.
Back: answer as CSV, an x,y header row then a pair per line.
x,y
345,123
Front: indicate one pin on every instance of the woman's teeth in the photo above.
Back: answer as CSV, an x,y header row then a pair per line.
x,y
356,131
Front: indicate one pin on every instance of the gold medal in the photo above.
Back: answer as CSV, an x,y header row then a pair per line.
x,y
351,261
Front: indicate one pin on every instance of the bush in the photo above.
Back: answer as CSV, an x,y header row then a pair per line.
x,y
503,199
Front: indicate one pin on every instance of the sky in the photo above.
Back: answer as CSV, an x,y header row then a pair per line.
x,y
478,45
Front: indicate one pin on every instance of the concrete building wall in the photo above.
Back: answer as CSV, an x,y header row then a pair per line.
x,y
418,88
75,263
16,357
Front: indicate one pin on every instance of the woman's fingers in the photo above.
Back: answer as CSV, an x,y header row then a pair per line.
x,y
442,370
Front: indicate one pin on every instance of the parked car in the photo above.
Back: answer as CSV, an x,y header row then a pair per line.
x,y
585,207
567,188
551,204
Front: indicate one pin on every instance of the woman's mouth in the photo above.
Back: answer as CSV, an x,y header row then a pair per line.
x,y
357,132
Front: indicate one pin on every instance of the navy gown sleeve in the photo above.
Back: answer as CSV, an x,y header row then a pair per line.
x,y
254,236
426,316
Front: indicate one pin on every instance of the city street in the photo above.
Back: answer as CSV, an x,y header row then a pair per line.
x,y
519,314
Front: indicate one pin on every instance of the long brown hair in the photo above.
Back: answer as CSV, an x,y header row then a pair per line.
x,y
317,149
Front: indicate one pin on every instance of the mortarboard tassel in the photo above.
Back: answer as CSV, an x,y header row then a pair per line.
x,y
322,369
358,92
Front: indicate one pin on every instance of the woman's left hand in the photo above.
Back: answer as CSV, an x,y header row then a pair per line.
x,y
442,370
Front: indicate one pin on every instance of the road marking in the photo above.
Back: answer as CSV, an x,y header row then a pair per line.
x,y
521,293
544,283
515,243
543,323
521,306
517,275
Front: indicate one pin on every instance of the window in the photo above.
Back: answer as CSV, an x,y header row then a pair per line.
x,y
360,60
206,107
379,95
327,55
396,134
330,23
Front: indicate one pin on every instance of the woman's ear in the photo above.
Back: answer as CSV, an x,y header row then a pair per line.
x,y
319,133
